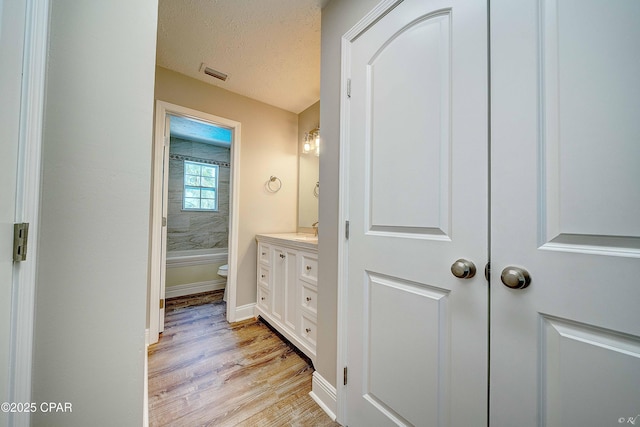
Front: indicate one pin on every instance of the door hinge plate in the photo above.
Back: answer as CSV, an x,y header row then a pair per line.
x,y
345,376
346,230
161,304
20,239
348,88
164,221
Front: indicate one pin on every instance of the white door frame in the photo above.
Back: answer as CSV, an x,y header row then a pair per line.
x,y
162,109
28,201
348,38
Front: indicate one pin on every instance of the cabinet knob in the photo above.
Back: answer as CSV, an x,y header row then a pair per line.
x,y
282,256
308,267
264,253
262,275
262,298
308,330
308,299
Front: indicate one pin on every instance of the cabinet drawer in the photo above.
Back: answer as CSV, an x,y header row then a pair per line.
x,y
264,301
264,252
309,267
264,276
309,330
309,299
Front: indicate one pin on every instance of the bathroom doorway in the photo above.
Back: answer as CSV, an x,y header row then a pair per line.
x,y
200,141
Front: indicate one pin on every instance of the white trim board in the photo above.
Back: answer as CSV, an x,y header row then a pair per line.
x,y
324,394
157,263
243,312
145,402
194,288
28,202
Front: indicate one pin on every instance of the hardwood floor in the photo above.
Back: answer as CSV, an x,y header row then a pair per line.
x,y
206,372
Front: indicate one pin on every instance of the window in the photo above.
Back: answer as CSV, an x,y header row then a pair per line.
x,y
200,187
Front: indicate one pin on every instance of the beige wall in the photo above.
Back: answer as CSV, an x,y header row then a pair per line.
x,y
91,291
308,170
193,274
337,18
268,147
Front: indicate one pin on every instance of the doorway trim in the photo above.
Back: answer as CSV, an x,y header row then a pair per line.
x,y
163,109
28,188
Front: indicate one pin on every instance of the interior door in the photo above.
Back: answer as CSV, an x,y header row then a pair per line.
x,y
565,109
12,21
165,207
418,202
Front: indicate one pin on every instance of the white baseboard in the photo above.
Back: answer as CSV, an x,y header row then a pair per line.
x,y
194,288
145,408
324,394
245,312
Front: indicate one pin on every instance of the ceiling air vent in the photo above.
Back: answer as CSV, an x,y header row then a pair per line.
x,y
213,73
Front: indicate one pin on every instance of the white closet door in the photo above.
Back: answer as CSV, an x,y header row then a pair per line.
x,y
565,194
418,201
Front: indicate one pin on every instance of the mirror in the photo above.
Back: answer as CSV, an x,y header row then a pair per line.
x,y
308,169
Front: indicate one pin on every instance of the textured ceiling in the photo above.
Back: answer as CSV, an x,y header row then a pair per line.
x,y
269,48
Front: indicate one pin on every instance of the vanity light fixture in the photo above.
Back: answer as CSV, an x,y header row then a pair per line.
x,y
312,142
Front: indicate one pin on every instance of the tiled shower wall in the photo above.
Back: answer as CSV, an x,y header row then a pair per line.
x,y
197,230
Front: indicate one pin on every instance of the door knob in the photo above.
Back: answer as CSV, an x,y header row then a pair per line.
x,y
463,269
515,277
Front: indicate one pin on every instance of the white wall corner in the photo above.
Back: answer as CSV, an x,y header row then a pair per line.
x,y
245,312
324,394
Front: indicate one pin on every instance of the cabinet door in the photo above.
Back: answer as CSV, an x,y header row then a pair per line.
x,y
290,292
283,286
278,281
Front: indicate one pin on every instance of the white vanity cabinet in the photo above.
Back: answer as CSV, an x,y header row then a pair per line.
x,y
287,287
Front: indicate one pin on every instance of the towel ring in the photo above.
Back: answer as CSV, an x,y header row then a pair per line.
x,y
274,184
316,189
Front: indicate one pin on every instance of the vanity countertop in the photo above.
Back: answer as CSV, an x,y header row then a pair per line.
x,y
300,240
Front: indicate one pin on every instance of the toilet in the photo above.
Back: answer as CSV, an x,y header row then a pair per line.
x,y
223,271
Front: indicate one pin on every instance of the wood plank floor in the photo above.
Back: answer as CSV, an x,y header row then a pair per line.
x,y
205,372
